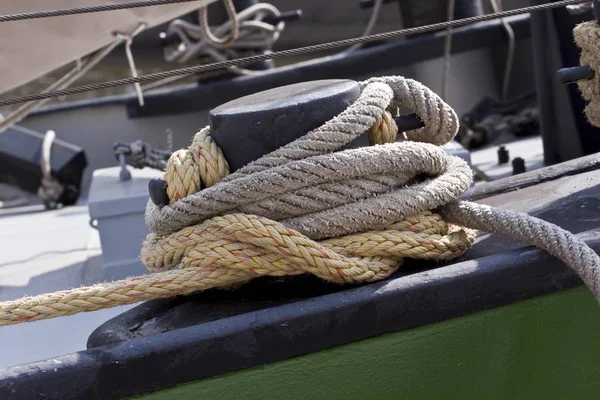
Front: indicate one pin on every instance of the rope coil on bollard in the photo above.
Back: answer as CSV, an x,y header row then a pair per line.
x,y
346,216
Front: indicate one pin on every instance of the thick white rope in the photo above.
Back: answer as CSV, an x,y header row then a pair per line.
x,y
290,180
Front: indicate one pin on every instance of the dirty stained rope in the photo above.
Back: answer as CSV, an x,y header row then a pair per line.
x,y
347,216
286,53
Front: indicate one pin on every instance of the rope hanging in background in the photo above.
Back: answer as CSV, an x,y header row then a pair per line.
x,y
347,216
254,36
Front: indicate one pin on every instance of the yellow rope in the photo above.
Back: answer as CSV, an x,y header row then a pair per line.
x,y
385,130
242,246
228,250
203,159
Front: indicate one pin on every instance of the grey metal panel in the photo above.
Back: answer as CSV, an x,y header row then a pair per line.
x,y
110,196
118,207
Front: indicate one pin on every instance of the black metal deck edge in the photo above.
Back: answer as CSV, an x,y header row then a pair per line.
x,y
136,366
359,63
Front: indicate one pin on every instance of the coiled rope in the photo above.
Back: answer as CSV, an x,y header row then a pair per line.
x,y
345,216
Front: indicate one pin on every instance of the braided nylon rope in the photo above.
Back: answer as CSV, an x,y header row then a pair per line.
x,y
587,37
347,216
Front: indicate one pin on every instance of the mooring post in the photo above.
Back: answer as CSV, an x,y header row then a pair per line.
x,y
249,127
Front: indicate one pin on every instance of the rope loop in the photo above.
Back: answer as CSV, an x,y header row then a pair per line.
x,y
220,42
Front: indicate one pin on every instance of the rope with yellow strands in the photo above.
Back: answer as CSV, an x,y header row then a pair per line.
x,y
346,216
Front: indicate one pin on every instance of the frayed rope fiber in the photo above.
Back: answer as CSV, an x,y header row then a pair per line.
x,y
348,216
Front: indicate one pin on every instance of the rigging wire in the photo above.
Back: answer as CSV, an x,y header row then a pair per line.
x,y
448,50
497,7
289,52
88,10
128,40
370,26
81,67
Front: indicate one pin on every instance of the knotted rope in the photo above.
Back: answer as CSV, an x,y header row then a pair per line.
x,y
345,216
587,37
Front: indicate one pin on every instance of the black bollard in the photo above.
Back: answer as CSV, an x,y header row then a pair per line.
x,y
252,126
246,129
518,165
503,156
158,192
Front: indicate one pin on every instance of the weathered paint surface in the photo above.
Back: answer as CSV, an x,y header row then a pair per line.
x,y
544,348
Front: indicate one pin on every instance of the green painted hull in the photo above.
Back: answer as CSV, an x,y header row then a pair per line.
x,y
543,348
